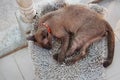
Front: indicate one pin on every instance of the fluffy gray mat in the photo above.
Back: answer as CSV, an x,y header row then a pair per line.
x,y
88,68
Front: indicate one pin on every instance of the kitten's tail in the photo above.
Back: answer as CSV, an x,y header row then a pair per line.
x,y
111,45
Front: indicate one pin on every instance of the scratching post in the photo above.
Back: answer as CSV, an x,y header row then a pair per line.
x,y
26,8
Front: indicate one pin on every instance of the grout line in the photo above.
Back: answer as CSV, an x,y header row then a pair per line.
x,y
15,50
19,68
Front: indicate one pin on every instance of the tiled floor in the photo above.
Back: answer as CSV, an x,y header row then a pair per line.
x,y
23,60
18,66
9,69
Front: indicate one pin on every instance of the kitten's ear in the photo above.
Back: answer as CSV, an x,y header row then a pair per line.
x,y
32,38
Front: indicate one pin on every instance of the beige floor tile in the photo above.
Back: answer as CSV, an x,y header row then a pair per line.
x,y
1,76
114,77
113,13
9,69
23,59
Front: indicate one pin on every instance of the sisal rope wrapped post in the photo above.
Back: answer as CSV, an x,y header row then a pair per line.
x,y
27,10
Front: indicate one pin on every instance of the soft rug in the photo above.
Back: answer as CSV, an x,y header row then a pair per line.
x,y
89,68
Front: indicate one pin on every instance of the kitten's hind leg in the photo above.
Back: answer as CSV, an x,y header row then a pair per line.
x,y
83,51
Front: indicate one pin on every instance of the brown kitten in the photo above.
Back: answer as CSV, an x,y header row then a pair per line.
x,y
86,25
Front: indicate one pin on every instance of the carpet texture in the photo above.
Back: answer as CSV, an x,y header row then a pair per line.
x,y
89,68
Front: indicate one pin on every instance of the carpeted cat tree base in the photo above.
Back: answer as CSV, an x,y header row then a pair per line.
x,y
88,68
